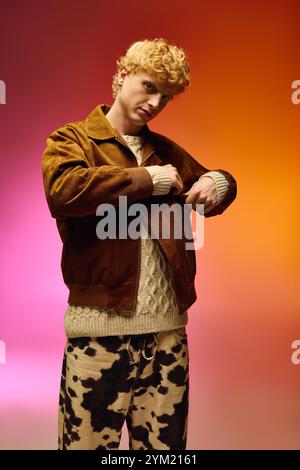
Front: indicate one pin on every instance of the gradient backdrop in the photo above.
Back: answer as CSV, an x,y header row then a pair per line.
x,y
57,60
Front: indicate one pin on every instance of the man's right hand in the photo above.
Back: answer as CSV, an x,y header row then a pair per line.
x,y
175,178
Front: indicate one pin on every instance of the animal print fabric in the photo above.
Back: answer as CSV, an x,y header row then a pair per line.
x,y
141,379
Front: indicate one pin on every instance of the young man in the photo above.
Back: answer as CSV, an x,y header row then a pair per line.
x,y
126,357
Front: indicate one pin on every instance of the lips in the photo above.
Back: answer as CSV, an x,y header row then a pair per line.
x,y
146,112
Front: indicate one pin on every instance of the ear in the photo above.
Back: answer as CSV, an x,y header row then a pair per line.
x,y
121,76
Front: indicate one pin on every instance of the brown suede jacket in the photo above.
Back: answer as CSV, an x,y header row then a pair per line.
x,y
86,163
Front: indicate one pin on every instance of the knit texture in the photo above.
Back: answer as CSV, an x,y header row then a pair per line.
x,y
220,181
156,308
160,178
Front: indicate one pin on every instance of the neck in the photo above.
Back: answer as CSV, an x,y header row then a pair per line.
x,y
120,121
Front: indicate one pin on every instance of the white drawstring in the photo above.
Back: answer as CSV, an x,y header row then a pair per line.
x,y
144,345
148,358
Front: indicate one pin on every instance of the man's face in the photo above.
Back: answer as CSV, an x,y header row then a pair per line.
x,y
140,92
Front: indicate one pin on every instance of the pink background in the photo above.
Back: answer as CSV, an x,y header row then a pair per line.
x,y
57,60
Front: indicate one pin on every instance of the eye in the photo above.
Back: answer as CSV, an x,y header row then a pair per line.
x,y
152,89
148,85
167,98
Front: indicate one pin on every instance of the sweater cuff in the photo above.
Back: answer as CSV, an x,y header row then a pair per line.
x,y
220,181
160,179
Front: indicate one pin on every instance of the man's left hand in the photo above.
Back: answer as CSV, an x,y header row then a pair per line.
x,y
204,191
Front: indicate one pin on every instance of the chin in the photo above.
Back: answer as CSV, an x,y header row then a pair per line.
x,y
139,116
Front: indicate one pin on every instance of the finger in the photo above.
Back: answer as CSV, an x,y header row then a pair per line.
x,y
179,178
192,198
178,183
178,187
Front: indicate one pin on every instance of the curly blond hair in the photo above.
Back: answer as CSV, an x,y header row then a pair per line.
x,y
159,58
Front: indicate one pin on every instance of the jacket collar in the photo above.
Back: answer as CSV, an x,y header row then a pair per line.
x,y
98,127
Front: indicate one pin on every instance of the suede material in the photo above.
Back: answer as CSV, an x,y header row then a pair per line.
x,y
86,163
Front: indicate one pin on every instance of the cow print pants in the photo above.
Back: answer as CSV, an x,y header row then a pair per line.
x,y
141,379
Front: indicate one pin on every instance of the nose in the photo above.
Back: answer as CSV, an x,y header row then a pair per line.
x,y
154,101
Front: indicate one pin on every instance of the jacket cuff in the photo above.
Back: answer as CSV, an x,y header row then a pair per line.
x,y
160,179
220,181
